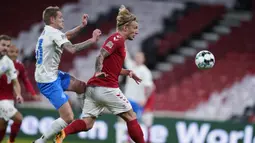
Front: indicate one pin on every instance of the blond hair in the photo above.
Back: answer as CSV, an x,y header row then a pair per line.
x,y
124,17
49,12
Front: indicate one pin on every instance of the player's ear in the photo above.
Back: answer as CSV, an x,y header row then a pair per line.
x,y
125,27
52,19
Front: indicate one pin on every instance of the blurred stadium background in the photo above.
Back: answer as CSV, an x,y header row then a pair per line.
x,y
192,106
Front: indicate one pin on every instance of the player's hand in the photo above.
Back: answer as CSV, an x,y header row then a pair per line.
x,y
84,20
96,34
19,99
101,74
135,77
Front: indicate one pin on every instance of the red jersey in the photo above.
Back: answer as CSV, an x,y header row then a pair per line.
x,y
6,87
112,65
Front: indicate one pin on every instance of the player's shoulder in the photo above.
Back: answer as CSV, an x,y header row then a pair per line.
x,y
6,59
18,62
51,30
115,38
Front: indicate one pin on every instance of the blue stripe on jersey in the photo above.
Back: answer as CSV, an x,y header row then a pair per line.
x,y
39,52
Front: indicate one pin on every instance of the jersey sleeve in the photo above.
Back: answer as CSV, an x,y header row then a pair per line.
x,y
59,38
12,72
112,43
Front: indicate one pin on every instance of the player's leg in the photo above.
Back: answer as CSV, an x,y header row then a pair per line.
x,y
15,127
3,126
138,109
147,117
7,111
91,110
118,104
134,129
54,92
147,120
76,85
66,117
70,83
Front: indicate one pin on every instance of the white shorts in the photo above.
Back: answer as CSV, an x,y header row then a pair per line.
x,y
7,109
99,98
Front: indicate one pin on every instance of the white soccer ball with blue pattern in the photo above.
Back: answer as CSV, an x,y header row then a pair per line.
x,y
205,60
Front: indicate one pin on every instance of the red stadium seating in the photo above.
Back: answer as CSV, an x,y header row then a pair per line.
x,y
235,55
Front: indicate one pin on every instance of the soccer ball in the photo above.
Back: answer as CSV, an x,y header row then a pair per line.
x,y
205,60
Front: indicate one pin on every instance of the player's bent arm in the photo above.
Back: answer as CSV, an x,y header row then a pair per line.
x,y
16,87
78,47
74,32
124,72
100,58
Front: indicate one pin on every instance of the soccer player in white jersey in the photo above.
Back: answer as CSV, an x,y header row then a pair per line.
x,y
7,109
51,82
138,95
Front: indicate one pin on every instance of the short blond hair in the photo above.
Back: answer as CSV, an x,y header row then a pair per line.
x,y
124,17
49,12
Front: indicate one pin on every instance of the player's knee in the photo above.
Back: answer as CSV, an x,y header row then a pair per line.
x,y
89,123
18,117
128,116
69,118
79,86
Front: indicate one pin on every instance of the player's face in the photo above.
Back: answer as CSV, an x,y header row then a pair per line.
x,y
139,58
132,30
13,52
4,45
58,21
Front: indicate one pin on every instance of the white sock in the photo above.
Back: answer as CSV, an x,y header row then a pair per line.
x,y
56,126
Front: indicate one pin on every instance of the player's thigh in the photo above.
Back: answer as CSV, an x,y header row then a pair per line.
x,y
76,85
70,83
91,106
17,117
115,101
3,124
7,109
66,113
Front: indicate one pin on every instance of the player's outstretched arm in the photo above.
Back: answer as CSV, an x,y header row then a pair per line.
x,y
131,74
83,45
74,32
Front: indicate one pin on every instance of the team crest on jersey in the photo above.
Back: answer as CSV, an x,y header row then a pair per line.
x,y
116,38
109,44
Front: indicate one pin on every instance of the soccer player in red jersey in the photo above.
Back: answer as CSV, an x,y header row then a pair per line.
x,y
13,53
103,88
9,83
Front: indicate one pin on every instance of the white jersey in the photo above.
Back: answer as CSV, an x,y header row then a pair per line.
x,y
133,91
7,67
48,54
